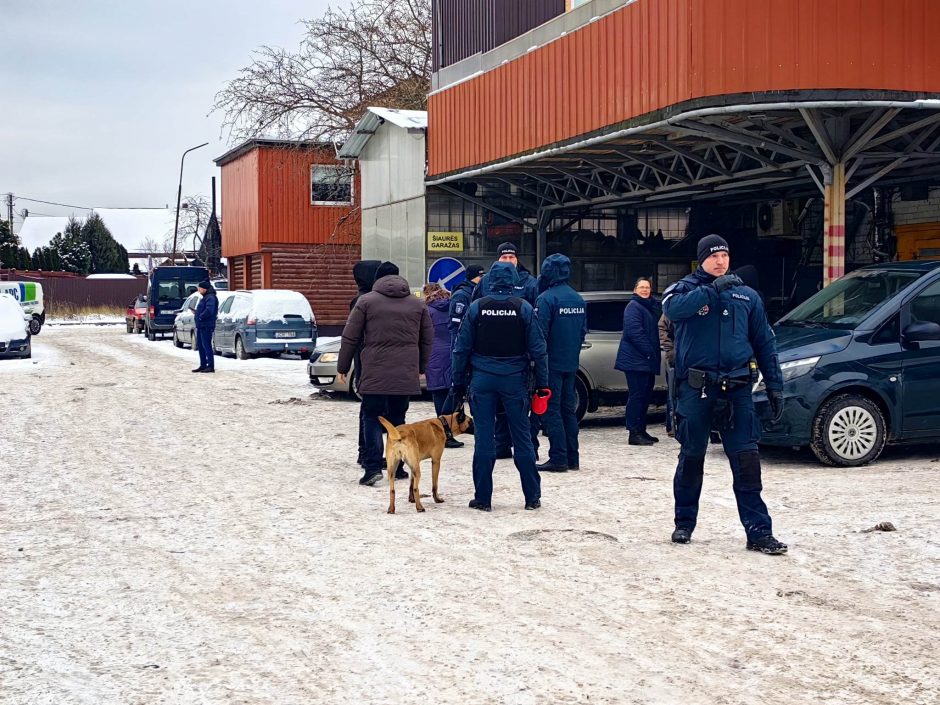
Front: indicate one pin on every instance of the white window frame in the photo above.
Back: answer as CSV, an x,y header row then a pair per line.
x,y
335,167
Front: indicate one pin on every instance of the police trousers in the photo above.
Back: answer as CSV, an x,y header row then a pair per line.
x,y
487,392
561,419
740,432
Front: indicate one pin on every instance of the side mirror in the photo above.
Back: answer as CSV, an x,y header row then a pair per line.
x,y
922,331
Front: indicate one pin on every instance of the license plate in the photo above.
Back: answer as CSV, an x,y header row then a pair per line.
x,y
166,313
286,334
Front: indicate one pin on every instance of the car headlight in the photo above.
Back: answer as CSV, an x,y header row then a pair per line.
x,y
790,370
329,357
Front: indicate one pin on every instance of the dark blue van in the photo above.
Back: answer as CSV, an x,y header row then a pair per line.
x,y
167,289
861,365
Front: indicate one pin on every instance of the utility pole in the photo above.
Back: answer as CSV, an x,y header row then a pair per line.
x,y
10,211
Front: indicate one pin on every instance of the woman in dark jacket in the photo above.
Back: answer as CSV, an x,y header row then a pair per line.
x,y
639,358
438,372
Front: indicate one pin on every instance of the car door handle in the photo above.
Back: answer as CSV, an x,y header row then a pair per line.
x,y
585,346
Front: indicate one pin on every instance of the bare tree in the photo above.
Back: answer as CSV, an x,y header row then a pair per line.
x,y
194,216
375,52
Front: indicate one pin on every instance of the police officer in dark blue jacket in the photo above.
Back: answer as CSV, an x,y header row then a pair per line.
x,y
207,311
720,329
498,339
526,288
562,316
460,299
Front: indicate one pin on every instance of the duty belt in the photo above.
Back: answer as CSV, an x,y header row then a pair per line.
x,y
699,379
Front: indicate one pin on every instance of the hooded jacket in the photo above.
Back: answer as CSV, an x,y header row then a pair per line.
x,y
720,333
561,313
438,370
503,280
526,286
395,335
364,274
639,345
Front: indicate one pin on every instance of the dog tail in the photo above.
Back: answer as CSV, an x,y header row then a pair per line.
x,y
393,434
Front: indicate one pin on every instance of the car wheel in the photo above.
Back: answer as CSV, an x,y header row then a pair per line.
x,y
849,430
151,335
130,328
138,327
35,325
581,392
240,351
29,350
176,339
192,340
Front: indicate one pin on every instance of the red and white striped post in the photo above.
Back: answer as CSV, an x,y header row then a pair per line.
x,y
834,225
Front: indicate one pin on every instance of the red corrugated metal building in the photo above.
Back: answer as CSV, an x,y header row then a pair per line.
x,y
291,221
633,105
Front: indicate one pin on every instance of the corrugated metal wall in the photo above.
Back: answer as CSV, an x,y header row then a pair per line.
x,y
462,28
656,53
240,205
391,166
60,294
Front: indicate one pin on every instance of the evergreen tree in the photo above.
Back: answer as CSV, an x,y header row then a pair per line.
x,y
107,254
25,260
72,248
9,246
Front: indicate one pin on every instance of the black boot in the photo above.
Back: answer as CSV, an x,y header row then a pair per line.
x,y
637,439
479,505
767,544
534,504
453,443
681,535
549,466
199,369
649,437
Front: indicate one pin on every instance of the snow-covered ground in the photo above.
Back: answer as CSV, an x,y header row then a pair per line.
x,y
178,538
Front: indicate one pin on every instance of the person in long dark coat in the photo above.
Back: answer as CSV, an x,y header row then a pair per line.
x,y
639,358
438,372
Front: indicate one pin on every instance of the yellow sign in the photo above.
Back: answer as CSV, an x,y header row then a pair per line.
x,y
445,242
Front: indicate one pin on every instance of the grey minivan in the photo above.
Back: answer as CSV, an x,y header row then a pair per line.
x,y
265,322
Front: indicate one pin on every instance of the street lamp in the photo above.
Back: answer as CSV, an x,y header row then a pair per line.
x,y
179,196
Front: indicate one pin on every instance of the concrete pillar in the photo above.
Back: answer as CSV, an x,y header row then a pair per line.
x,y
834,225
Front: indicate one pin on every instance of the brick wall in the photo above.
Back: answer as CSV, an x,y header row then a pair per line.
x,y
915,212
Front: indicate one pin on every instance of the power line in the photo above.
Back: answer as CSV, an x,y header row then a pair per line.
x,y
86,208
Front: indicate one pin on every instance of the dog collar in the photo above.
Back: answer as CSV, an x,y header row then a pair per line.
x,y
446,426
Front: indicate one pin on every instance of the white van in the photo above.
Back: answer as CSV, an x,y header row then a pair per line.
x,y
29,294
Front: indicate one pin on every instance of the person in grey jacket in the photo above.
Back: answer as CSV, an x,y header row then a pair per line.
x,y
393,330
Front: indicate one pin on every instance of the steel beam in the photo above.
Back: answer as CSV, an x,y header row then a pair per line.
x,y
483,204
834,225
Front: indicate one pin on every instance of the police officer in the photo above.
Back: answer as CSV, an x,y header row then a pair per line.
x,y
561,313
496,342
720,328
526,288
460,299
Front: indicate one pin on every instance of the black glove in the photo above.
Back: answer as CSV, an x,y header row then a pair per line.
x,y
458,392
727,281
776,405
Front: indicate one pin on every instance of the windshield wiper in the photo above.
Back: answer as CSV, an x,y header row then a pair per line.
x,y
803,324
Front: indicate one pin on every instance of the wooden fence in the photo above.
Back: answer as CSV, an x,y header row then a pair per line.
x,y
67,294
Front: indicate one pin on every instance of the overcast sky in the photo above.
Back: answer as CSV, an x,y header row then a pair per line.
x,y
101,97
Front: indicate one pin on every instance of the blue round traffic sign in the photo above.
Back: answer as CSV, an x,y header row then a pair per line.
x,y
448,272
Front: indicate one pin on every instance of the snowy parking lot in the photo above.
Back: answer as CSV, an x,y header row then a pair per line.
x,y
178,538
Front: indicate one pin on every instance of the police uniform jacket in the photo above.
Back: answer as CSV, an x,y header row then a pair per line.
x,y
720,333
562,315
499,334
459,303
526,286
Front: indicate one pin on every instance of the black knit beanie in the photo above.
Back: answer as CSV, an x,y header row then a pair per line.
x,y
709,245
385,269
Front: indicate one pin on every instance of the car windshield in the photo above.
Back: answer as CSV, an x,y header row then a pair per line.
x,y
606,316
848,301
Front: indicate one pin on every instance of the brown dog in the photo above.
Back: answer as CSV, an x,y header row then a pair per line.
x,y
414,442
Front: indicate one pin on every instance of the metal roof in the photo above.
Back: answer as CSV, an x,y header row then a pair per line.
x,y
373,119
260,142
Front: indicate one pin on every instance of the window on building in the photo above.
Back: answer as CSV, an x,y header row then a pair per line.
x,y
331,185
671,222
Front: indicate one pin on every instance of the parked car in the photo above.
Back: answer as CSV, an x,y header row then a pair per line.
x,y
220,284
135,314
167,289
597,384
184,325
860,364
321,369
15,338
30,298
265,321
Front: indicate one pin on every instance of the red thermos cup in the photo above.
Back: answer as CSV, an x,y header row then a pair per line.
x,y
540,401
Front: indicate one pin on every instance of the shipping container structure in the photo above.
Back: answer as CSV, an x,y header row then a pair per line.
x,y
291,221
390,149
620,131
